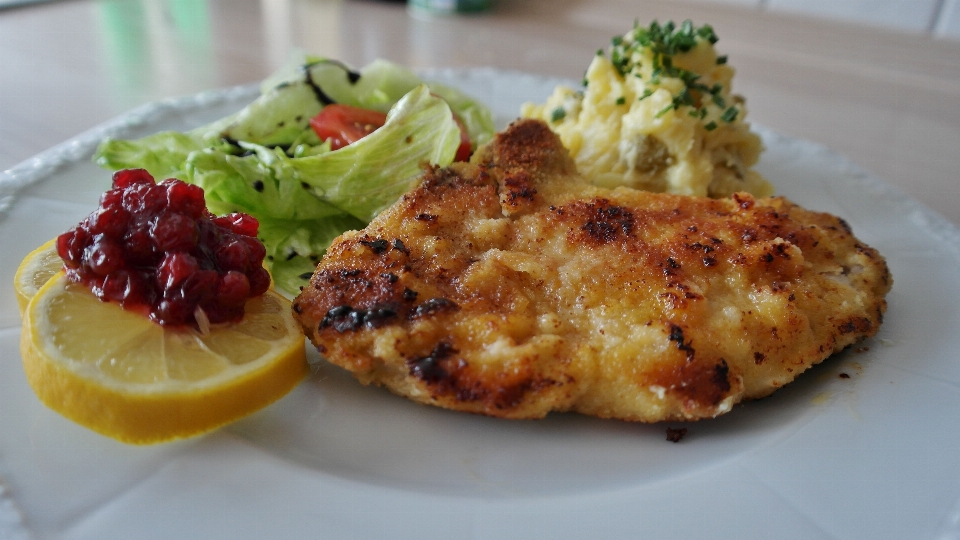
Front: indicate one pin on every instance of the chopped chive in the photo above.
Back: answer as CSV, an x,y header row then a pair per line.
x,y
699,87
710,126
729,115
706,32
621,100
664,110
664,41
558,114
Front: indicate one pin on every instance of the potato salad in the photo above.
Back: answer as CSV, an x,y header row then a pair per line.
x,y
656,113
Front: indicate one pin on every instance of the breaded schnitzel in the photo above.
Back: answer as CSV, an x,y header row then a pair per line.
x,y
511,287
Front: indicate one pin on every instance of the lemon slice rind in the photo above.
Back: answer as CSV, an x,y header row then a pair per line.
x,y
34,270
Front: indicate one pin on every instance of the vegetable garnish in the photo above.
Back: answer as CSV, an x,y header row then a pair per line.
x,y
267,161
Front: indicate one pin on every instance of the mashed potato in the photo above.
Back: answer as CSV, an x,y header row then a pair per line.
x,y
658,115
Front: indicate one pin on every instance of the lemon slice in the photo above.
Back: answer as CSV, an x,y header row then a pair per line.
x,y
124,376
36,269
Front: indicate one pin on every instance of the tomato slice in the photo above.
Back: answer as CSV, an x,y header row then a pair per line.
x,y
344,124
465,148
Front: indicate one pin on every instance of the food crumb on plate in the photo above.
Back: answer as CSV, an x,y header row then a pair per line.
x,y
674,435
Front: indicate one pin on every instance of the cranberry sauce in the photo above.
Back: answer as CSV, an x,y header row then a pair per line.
x,y
155,248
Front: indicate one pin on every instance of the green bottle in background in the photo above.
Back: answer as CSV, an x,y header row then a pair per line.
x,y
448,7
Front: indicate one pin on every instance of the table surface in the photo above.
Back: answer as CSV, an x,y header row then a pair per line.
x,y
888,101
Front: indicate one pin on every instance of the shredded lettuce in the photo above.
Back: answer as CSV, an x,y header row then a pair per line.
x,y
266,161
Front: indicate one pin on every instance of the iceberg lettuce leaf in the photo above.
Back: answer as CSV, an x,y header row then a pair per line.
x,y
162,154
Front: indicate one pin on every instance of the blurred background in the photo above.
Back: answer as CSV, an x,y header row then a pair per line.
x,y
877,80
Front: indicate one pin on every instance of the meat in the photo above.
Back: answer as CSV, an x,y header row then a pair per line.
x,y
511,287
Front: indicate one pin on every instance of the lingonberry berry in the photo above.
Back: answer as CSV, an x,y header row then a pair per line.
x,y
234,288
233,254
70,246
173,231
129,177
174,269
239,223
259,281
187,198
103,256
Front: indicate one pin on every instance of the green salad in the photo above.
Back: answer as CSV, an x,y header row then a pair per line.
x,y
267,160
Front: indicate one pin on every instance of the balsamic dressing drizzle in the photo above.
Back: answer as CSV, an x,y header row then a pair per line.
x,y
322,97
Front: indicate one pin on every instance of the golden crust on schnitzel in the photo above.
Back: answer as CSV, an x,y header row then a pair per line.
x,y
511,287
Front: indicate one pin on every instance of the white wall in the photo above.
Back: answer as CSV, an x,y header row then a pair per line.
x,y
940,18
948,24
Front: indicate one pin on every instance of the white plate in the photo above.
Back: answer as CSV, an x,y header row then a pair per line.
x,y
876,455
